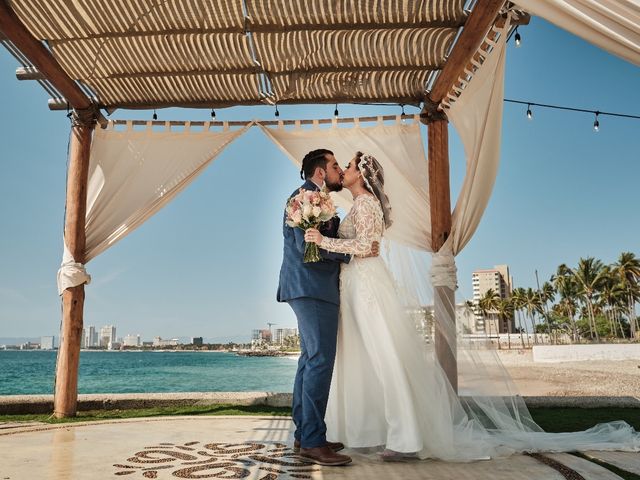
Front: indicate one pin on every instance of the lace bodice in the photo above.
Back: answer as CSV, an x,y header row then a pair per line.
x,y
363,225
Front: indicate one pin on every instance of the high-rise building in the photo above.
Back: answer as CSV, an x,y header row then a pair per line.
x,y
46,343
131,341
261,335
159,342
498,280
196,341
83,339
107,336
281,333
91,337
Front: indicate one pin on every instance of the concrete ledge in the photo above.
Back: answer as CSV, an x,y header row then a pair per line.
x,y
30,404
578,353
26,404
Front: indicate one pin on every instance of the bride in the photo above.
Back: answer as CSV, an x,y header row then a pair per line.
x,y
388,389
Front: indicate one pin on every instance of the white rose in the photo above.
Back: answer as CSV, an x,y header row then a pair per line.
x,y
307,209
317,211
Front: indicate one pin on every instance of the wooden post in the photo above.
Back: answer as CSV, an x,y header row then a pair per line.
x,y
66,391
475,29
84,118
440,202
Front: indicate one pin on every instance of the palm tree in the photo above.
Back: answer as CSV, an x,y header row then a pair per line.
x,y
488,304
567,288
628,269
533,305
469,310
612,298
504,309
517,301
589,276
547,294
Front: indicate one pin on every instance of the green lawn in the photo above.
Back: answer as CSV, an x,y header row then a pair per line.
x,y
153,412
574,419
550,419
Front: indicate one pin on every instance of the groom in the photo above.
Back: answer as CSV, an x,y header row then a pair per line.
x,y
312,291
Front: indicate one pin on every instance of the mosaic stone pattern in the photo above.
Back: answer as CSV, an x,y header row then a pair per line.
x,y
261,461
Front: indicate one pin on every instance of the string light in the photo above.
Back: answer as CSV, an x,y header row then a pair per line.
x,y
277,112
597,113
155,115
335,112
213,114
518,38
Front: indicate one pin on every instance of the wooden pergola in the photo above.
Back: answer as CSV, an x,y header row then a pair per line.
x,y
126,54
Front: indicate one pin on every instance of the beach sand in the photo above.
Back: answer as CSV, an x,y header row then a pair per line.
x,y
587,378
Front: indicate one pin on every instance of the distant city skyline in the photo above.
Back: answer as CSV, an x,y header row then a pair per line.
x,y
200,268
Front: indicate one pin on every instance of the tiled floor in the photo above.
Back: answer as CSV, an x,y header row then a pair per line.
x,y
234,447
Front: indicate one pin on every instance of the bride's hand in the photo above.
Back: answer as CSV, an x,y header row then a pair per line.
x,y
375,251
312,235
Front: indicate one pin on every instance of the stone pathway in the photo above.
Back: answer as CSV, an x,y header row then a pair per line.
x,y
256,448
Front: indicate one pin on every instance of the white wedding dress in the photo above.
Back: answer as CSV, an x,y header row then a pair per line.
x,y
388,390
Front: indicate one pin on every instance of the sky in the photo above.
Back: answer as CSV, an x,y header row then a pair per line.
x,y
199,268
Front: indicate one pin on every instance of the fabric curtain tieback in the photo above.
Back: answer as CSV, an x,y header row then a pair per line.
x,y
444,272
71,273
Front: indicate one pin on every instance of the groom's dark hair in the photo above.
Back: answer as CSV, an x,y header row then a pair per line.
x,y
312,160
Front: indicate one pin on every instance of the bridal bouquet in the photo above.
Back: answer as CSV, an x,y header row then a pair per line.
x,y
309,209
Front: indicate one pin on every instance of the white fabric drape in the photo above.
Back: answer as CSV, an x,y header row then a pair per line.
x,y
398,148
477,117
133,174
613,25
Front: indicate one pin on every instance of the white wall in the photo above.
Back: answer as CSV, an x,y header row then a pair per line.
x,y
576,353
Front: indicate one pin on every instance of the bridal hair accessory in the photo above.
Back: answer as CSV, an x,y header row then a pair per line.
x,y
367,161
373,176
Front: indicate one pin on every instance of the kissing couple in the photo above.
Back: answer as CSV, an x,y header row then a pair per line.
x,y
365,377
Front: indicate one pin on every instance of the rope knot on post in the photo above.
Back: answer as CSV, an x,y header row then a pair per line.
x,y
444,272
87,117
431,113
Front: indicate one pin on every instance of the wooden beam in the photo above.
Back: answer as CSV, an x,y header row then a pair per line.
x,y
251,69
59,104
236,123
66,391
29,73
473,33
440,207
272,28
15,31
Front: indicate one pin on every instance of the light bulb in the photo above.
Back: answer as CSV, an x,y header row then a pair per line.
x,y
213,114
529,112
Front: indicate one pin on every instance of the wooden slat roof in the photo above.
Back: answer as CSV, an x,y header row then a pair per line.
x,y
147,53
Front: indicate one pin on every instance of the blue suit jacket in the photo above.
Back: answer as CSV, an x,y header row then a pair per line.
x,y
314,280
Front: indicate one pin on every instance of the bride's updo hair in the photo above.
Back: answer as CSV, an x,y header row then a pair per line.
x,y
373,176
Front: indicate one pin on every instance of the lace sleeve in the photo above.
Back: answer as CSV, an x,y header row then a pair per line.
x,y
366,221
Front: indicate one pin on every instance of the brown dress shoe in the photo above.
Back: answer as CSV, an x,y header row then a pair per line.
x,y
335,446
324,456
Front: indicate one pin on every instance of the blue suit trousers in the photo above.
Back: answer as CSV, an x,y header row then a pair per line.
x,y
318,327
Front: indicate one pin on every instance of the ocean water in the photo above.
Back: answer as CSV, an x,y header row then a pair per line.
x,y
32,372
